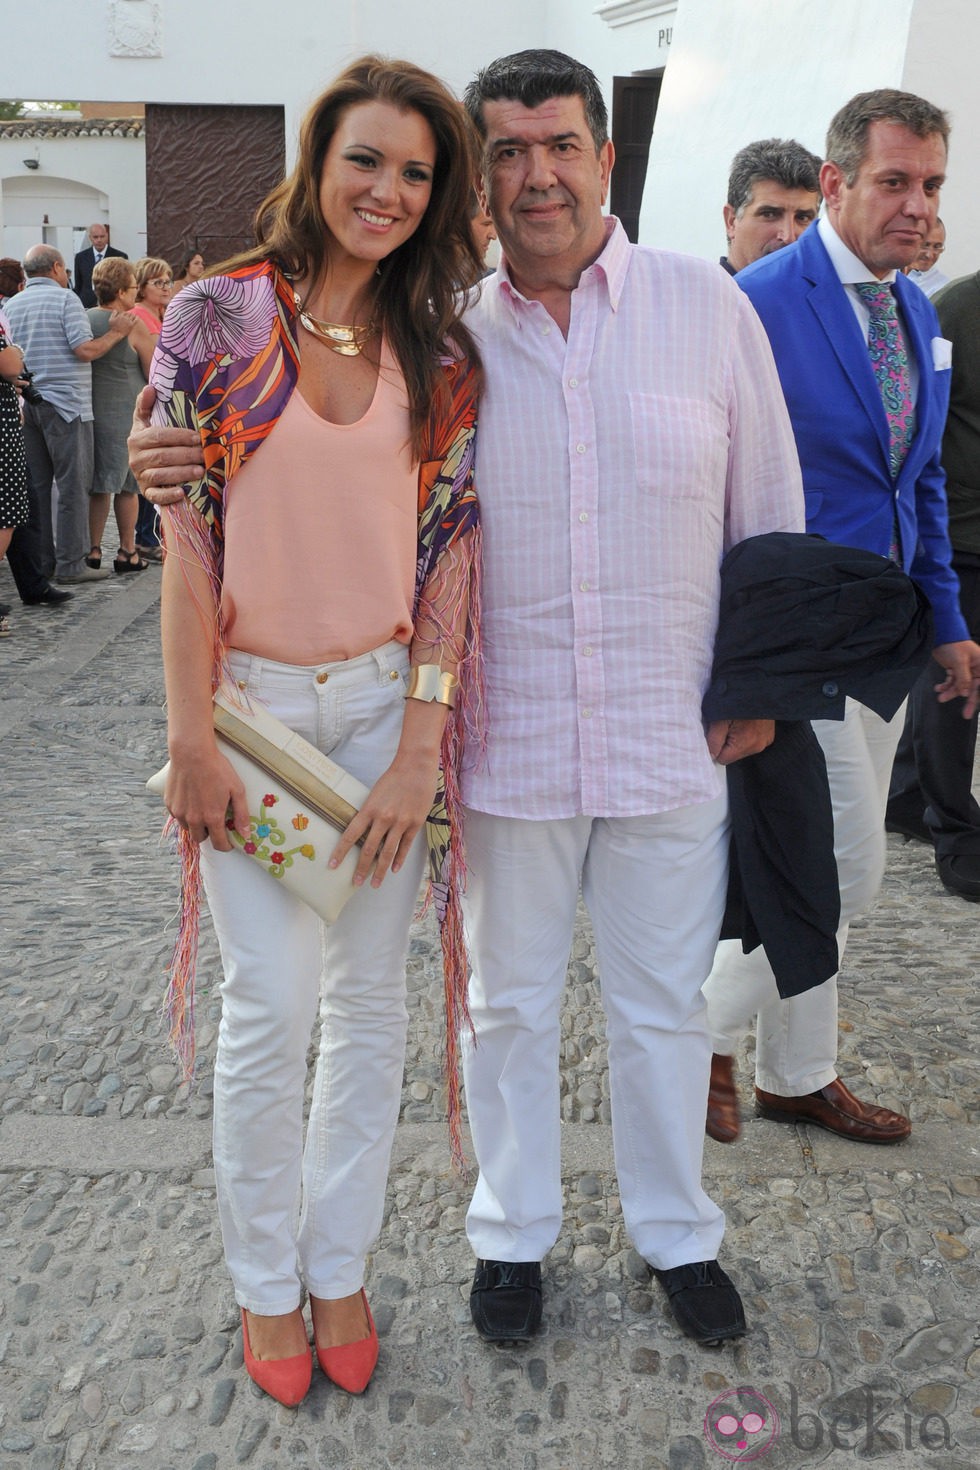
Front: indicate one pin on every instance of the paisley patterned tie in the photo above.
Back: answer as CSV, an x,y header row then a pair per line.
x,y
890,361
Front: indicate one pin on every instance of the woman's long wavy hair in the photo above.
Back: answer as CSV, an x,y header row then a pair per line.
x,y
423,284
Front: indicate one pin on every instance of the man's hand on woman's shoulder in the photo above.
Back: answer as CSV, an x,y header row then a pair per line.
x,y
163,459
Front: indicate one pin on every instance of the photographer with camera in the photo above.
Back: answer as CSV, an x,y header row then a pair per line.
x,y
53,330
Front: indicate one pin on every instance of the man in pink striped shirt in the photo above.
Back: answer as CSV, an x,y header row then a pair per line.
x,y
631,431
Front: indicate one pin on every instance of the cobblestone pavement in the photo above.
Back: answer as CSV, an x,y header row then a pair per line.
x,y
119,1338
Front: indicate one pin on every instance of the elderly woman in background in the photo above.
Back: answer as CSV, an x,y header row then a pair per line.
x,y
154,291
117,378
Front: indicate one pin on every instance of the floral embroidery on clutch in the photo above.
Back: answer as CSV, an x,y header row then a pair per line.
x,y
267,850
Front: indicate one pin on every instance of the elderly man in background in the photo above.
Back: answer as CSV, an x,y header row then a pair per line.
x,y
50,324
86,260
773,195
924,270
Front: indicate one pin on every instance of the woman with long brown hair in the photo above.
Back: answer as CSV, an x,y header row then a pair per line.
x,y
325,566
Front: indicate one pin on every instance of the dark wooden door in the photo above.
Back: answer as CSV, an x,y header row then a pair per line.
x,y
634,110
207,171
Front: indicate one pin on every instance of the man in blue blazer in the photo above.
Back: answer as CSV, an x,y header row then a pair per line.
x,y
871,484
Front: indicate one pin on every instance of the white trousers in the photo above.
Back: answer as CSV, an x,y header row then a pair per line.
x,y
297,1213
796,1039
654,887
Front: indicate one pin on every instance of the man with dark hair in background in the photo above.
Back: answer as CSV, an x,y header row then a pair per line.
x,y
773,195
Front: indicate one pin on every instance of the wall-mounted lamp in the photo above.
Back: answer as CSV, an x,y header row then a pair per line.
x,y
32,163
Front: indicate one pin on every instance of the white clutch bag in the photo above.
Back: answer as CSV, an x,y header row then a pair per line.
x,y
298,801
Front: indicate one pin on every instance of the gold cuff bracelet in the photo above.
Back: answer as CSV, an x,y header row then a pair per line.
x,y
429,682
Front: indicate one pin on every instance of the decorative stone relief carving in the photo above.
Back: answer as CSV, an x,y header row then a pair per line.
x,y
135,28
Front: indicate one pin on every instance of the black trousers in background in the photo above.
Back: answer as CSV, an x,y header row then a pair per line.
x,y
933,772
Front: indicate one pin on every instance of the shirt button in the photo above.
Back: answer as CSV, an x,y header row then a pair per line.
x,y
545,331
322,678
830,689
587,713
580,449
573,382
584,586
583,516
587,650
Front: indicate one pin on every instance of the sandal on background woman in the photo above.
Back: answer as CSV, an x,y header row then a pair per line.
x,y
128,561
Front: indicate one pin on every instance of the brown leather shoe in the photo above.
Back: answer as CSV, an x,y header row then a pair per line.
x,y
723,1123
839,1111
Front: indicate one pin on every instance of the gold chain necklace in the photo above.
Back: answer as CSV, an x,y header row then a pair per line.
x,y
348,341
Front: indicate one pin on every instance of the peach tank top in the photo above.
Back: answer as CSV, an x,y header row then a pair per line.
x,y
321,532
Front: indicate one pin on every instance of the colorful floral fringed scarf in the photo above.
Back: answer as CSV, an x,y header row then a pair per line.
x,y
226,364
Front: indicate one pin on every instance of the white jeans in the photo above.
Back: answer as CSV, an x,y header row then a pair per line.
x,y
796,1039
295,1214
655,888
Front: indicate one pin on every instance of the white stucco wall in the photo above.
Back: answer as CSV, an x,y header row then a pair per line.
x,y
78,181
941,64
747,69
579,28
235,51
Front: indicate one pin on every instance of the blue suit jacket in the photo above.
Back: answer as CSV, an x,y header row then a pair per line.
x,y
839,420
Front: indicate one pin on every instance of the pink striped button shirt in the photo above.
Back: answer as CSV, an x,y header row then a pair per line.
x,y
614,470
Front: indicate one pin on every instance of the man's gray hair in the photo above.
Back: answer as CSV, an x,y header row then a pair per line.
x,y
533,77
782,160
847,136
41,260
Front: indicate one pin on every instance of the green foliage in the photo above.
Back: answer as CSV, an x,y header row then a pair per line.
x,y
12,107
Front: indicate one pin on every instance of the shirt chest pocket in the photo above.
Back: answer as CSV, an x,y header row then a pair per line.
x,y
680,446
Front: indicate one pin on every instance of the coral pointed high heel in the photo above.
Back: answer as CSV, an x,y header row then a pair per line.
x,y
350,1366
287,1380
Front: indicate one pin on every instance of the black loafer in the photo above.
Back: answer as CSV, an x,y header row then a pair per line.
x,y
52,595
505,1300
959,872
704,1301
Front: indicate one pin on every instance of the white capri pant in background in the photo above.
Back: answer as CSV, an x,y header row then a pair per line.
x,y
796,1039
655,890
297,1214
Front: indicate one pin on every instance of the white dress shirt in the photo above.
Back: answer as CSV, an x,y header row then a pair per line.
x,y
850,270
